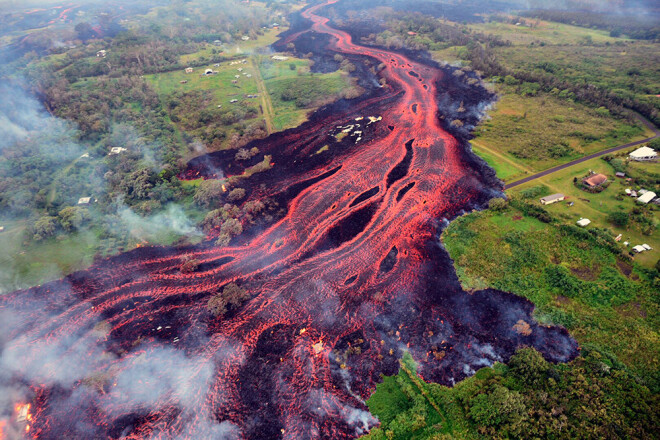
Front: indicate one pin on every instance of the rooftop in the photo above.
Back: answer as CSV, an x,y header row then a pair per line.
x,y
596,180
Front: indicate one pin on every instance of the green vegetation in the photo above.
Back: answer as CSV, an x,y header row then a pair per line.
x,y
593,396
530,132
577,278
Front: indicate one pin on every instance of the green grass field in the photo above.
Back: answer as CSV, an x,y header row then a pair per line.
x,y
546,32
28,264
526,134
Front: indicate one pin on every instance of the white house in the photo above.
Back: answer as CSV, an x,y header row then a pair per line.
x,y
643,154
583,222
84,200
554,198
117,150
646,197
639,248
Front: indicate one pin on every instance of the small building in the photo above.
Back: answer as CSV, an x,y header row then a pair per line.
x,y
628,191
554,198
208,72
237,76
249,75
233,81
646,197
595,181
411,33
216,65
279,58
647,247
117,150
234,101
638,249
84,200
583,222
620,174
183,81
101,53
189,70
643,154
633,193
217,43
245,38
240,69
85,156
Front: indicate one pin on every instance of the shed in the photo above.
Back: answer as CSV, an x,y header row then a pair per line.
x,y
554,198
620,174
595,180
646,197
84,200
245,38
583,222
208,72
189,70
643,154
101,53
628,191
639,248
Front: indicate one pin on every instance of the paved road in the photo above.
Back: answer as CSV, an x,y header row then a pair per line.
x,y
591,156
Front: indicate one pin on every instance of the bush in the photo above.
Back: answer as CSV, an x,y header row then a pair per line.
x,y
619,219
231,297
189,265
497,204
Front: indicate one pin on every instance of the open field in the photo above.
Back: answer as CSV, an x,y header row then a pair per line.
x,y
233,49
526,134
266,75
28,265
533,31
628,69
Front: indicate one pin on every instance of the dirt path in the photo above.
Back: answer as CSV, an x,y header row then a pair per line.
x,y
589,157
266,103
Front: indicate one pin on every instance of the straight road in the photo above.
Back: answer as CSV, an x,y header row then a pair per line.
x,y
266,103
588,157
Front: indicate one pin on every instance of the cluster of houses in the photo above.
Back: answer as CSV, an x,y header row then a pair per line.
x,y
641,248
643,196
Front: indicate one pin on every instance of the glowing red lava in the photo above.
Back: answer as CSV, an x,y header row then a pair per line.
x,y
340,286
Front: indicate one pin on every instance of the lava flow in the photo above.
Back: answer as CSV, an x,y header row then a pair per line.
x,y
341,285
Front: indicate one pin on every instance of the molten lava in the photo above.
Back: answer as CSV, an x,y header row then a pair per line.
x,y
350,277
